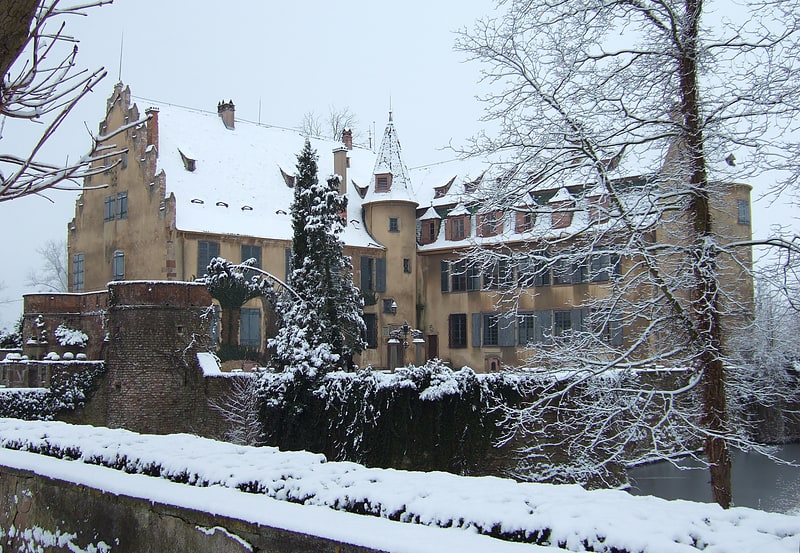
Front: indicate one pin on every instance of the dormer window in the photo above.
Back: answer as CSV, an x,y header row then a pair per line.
x,y
188,163
525,221
383,182
457,227
490,223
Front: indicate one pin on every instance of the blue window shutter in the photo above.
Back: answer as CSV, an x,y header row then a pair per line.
x,y
445,269
476,330
366,269
380,274
506,330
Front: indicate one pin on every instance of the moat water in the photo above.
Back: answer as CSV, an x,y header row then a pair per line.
x,y
758,481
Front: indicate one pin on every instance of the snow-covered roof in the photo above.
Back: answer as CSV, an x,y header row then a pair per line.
x,y
237,185
390,160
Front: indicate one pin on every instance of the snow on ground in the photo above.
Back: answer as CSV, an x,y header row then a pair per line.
x,y
604,518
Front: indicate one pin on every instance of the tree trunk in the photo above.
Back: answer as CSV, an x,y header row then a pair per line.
x,y
16,17
230,326
706,292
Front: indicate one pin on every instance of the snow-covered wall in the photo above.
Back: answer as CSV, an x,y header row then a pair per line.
x,y
45,514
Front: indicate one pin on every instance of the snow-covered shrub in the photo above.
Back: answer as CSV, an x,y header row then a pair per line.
x,y
70,337
69,356
428,418
68,391
52,356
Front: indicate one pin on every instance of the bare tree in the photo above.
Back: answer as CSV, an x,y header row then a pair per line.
x,y
335,123
41,84
52,274
239,408
655,90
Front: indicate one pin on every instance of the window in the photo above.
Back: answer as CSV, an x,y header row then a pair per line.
x,y
499,273
371,330
458,276
444,267
743,209
119,265
250,327
428,234
122,205
458,231
562,322
373,274
77,272
394,224
525,221
206,251
251,252
457,330
527,328
533,270
109,208
603,266
473,277
490,224
389,305
406,265
491,326
383,183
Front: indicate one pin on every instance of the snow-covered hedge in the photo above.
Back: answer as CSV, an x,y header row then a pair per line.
x,y
563,516
67,391
422,418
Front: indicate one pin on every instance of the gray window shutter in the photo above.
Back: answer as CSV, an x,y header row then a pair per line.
x,y
380,274
616,330
445,270
476,330
505,330
202,257
543,327
576,320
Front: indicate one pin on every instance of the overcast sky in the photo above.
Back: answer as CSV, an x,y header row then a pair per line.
x,y
288,58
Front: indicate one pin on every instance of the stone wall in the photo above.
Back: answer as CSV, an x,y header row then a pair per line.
x,y
44,512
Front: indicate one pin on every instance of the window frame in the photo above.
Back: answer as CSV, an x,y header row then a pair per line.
x,y
457,334
743,214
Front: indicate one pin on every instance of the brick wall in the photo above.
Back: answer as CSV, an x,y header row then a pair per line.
x,y
82,312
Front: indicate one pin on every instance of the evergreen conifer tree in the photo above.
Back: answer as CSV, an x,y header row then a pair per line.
x,y
321,326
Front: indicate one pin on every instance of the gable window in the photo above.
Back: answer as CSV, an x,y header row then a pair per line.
x,y
458,228
428,233
525,221
250,327
109,208
457,330
383,182
118,265
206,251
490,224
394,224
122,205
77,272
743,212
371,330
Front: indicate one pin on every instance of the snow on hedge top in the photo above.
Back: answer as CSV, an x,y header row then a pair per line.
x,y
603,520
237,184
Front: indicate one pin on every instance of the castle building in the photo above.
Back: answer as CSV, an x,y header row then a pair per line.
x,y
194,185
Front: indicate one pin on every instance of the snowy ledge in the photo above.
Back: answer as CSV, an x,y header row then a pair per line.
x,y
554,516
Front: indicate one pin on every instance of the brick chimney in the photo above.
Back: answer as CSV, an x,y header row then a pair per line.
x,y
347,138
226,111
152,127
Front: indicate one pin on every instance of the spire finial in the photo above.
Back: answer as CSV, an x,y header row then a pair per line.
x,y
390,108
